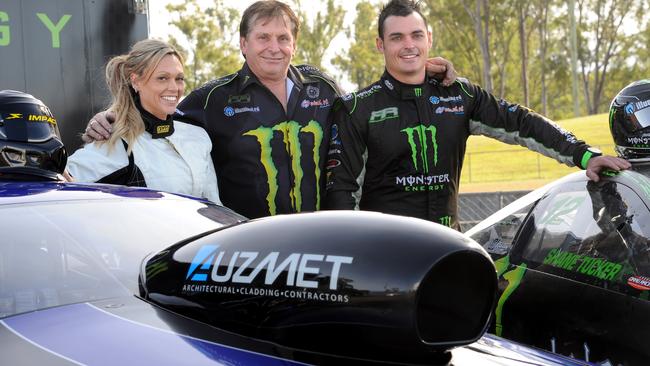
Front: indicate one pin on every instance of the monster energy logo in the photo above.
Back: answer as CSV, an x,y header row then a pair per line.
x,y
418,92
445,220
290,132
384,114
419,151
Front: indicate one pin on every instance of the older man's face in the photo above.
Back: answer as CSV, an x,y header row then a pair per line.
x,y
269,47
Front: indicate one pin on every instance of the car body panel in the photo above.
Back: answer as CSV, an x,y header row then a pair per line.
x,y
573,260
64,332
32,192
69,262
128,331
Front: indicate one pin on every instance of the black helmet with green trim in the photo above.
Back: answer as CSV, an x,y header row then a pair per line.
x,y
629,120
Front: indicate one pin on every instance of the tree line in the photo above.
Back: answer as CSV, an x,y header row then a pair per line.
x,y
563,58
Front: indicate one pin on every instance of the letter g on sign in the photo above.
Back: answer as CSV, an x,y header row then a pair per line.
x,y
5,34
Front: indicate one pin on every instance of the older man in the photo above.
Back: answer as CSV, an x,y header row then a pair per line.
x,y
269,121
398,145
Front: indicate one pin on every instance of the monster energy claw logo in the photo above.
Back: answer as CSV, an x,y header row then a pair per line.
x,y
418,92
445,220
420,144
290,132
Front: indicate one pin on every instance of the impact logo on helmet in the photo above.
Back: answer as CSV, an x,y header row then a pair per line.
x,y
242,269
35,118
15,116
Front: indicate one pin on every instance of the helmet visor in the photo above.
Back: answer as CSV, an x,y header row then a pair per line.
x,y
640,118
33,126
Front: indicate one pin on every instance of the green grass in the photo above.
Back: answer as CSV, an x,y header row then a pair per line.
x,y
493,165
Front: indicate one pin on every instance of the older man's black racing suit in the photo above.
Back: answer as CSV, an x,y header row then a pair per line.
x,y
268,161
403,145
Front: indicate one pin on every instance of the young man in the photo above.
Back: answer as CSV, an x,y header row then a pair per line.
x,y
397,146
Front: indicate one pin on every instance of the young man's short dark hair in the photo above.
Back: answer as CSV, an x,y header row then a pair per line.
x,y
400,8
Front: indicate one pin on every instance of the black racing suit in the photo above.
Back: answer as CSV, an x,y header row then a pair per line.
x,y
268,161
403,145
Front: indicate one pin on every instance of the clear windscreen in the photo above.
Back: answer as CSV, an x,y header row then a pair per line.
x,y
58,253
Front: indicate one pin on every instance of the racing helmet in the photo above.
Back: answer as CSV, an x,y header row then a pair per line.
x,y
629,120
30,144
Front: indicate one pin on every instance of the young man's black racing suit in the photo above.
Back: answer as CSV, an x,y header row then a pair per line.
x,y
404,145
268,161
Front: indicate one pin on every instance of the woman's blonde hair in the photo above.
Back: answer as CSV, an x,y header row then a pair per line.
x,y
141,61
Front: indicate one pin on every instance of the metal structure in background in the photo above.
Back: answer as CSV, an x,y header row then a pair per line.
x,y
57,50
474,207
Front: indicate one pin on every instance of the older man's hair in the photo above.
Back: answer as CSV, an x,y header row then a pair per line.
x,y
400,8
267,10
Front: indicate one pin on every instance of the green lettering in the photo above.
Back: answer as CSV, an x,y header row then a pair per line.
x,y
550,256
570,262
565,258
594,266
604,270
585,264
559,259
54,29
5,34
616,268
599,269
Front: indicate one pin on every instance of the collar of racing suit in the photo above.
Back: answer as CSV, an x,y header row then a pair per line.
x,y
247,78
405,91
157,127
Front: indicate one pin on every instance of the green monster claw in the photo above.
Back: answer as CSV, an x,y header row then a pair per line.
x,y
514,279
290,131
264,136
422,138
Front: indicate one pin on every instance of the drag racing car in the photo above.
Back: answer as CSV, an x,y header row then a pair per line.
x,y
573,260
108,275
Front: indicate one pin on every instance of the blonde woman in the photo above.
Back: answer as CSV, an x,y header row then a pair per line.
x,y
147,147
